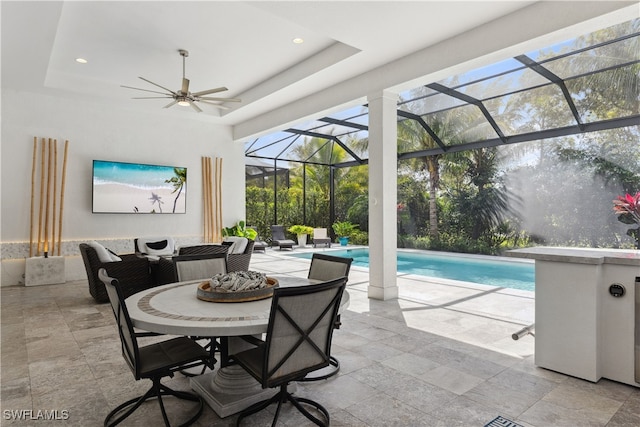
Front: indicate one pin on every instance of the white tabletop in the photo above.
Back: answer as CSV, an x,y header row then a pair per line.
x,y
174,309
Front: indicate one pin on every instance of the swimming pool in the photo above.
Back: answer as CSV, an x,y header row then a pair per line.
x,y
506,274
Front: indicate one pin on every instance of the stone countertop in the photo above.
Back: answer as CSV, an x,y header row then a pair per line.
x,y
579,255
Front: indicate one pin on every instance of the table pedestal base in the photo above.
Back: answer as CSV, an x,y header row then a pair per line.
x,y
229,390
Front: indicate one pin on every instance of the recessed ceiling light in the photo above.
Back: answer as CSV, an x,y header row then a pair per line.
x,y
81,60
298,40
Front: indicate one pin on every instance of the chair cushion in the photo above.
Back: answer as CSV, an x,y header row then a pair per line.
x,y
104,255
319,233
239,244
164,355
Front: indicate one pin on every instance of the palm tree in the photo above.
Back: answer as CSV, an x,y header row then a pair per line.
x,y
413,137
178,181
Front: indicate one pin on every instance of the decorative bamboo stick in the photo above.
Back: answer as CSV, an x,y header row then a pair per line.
x,y
204,199
218,216
55,189
33,186
46,210
62,183
206,195
41,204
212,230
208,201
212,224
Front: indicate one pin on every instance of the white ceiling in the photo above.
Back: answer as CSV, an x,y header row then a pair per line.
x,y
245,46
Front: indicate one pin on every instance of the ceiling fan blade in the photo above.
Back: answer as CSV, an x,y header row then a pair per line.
x,y
185,86
207,92
171,104
145,90
156,84
195,107
222,107
209,98
152,97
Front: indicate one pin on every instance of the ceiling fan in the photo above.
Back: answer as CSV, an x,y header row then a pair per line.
x,y
183,96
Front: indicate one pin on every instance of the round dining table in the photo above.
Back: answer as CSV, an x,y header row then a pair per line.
x,y
175,309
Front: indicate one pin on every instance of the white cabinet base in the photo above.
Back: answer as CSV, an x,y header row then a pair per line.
x,y
581,329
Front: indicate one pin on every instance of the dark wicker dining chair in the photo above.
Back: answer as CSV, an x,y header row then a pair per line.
x,y
298,341
153,361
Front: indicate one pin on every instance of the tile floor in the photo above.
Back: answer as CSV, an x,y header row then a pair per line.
x,y
440,355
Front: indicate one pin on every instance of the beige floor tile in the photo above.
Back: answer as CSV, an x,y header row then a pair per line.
x,y
450,379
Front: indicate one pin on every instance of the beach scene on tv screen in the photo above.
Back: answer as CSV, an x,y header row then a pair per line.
x,y
138,188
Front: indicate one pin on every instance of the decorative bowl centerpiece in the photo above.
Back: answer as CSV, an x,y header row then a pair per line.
x,y
238,286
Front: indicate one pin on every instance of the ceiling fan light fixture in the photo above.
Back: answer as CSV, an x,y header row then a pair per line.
x,y
183,96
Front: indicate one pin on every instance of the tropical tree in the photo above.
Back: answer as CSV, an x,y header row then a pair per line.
x,y
412,134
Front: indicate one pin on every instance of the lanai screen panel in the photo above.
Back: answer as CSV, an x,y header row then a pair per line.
x,y
537,95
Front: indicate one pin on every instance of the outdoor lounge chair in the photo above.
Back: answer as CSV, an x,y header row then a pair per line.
x,y
259,243
278,238
239,261
320,237
133,272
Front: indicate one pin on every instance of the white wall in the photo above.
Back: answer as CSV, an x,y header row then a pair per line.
x,y
101,132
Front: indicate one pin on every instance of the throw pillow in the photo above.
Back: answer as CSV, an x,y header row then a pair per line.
x,y
157,246
103,253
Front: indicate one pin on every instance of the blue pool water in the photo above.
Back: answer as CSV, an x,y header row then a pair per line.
x,y
506,274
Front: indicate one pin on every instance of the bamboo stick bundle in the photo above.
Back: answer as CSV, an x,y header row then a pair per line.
x,y
41,202
33,187
55,189
62,184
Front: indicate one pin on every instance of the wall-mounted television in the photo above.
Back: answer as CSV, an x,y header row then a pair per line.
x,y
138,188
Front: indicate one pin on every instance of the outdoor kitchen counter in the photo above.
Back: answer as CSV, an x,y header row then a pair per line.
x,y
579,255
586,311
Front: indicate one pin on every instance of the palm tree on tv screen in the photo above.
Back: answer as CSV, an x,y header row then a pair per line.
x,y
178,182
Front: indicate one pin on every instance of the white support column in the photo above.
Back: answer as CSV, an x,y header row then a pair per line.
x,y
383,172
